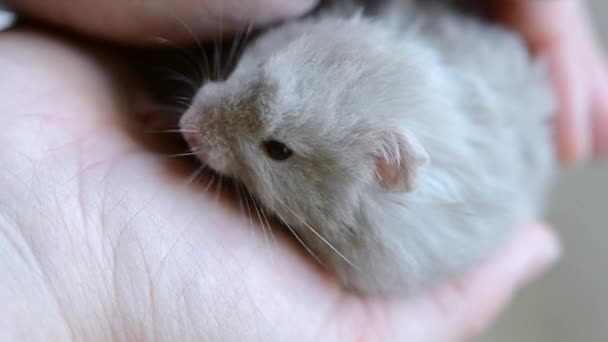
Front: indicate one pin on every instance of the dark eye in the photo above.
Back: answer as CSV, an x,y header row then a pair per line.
x,y
277,150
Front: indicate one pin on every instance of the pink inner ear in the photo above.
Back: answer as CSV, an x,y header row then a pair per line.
x,y
392,177
398,162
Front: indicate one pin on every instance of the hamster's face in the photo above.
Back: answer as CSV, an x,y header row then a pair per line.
x,y
301,127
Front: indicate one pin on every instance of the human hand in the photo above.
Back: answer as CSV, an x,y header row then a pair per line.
x,y
101,238
562,32
139,22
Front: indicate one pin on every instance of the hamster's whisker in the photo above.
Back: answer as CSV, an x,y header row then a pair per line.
x,y
233,50
188,56
173,131
221,39
265,217
198,42
299,239
195,175
209,183
191,152
186,154
237,188
215,73
174,75
189,126
246,194
316,233
257,210
187,81
165,109
183,100
241,196
206,66
238,44
218,188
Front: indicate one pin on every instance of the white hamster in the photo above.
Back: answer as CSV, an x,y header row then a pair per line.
x,y
401,147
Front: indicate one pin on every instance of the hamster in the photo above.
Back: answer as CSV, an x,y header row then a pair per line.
x,y
400,147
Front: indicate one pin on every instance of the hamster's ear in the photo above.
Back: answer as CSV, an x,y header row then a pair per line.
x,y
398,160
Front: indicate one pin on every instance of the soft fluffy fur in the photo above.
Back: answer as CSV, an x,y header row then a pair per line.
x,y
420,140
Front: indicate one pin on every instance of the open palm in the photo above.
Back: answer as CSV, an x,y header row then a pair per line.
x,y
102,238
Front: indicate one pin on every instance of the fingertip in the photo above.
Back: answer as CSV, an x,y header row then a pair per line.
x,y
544,248
531,251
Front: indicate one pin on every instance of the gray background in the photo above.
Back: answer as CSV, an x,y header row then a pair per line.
x,y
570,304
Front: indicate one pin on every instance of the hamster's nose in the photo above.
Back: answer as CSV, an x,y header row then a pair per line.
x,y
193,139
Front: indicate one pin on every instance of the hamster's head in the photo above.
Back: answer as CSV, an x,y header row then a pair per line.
x,y
316,125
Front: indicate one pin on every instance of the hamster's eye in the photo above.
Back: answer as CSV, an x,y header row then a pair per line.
x,y
277,150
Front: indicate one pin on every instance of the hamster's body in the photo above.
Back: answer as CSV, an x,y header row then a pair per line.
x,y
419,140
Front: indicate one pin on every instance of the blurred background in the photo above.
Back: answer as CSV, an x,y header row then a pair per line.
x,y
570,304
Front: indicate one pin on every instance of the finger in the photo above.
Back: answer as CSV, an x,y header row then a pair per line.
x,y
600,111
559,31
142,21
469,306
573,120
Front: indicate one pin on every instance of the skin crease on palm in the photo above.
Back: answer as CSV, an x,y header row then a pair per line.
x,y
101,238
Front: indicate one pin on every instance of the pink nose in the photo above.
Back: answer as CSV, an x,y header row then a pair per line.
x,y
193,139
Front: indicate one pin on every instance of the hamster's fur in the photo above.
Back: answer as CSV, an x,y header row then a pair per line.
x,y
419,139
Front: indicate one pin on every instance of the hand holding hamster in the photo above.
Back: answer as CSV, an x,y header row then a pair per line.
x,y
167,262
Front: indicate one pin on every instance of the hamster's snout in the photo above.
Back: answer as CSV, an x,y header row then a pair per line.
x,y
193,139
195,142
211,156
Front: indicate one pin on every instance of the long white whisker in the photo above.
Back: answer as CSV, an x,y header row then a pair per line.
x,y
195,174
187,154
209,183
247,196
319,236
191,126
255,206
173,131
198,42
165,109
174,75
265,217
189,56
221,38
293,232
237,45
219,190
237,188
